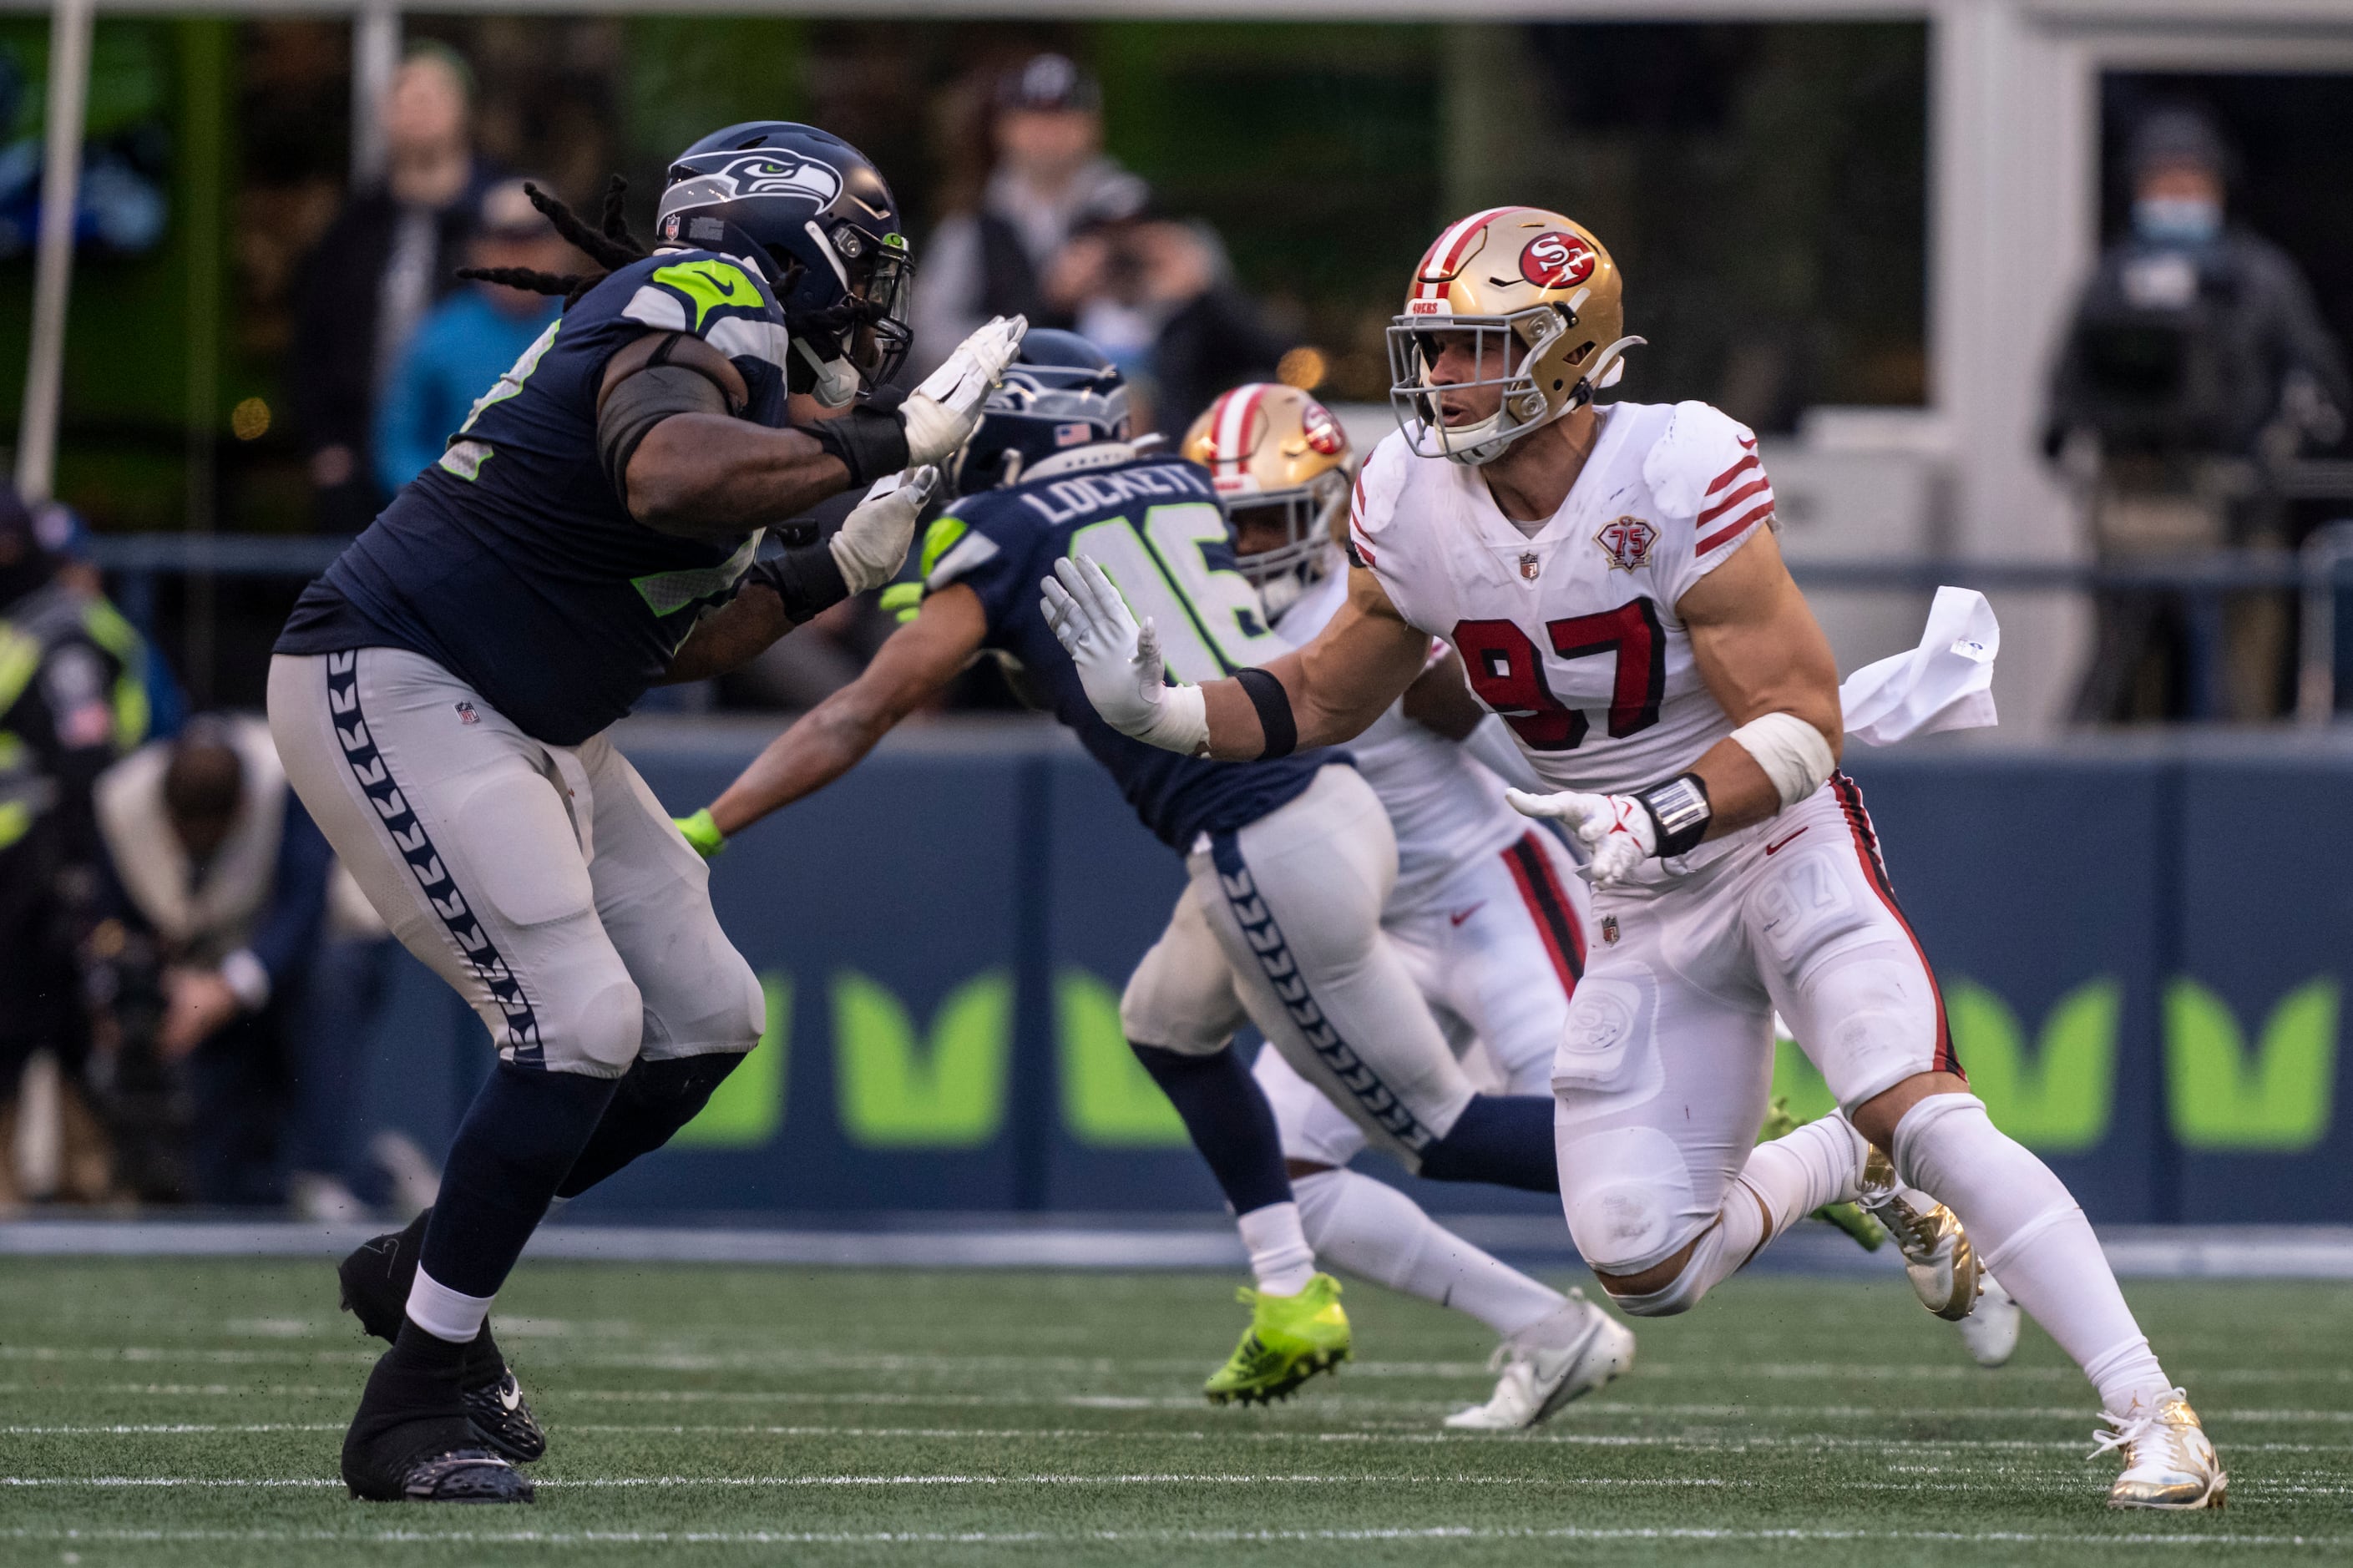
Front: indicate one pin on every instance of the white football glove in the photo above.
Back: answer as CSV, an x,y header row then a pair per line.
x,y
1615,829
1119,661
872,543
939,413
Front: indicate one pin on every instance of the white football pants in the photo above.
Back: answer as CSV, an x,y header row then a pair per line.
x,y
1665,1065
546,883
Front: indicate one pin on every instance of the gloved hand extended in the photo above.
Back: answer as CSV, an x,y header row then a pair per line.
x,y
1119,661
872,543
1616,829
702,833
941,412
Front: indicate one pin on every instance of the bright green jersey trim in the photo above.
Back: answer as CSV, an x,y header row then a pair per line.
x,y
939,539
713,285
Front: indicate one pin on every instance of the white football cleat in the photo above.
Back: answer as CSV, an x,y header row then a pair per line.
x,y
2169,1463
1556,1359
1937,1256
1990,1330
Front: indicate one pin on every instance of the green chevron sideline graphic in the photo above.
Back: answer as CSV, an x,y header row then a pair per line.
x,y
2274,1098
1109,1101
2058,1095
900,1090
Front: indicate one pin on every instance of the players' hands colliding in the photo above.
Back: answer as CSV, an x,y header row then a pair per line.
x,y
1119,661
872,542
1615,830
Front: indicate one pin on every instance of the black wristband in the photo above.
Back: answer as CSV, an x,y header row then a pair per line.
x,y
870,443
1273,705
1679,813
809,580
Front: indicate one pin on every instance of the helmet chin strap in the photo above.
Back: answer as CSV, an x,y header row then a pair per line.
x,y
837,379
1607,367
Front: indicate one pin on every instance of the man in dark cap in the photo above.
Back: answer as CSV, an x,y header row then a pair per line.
x,y
2196,358
1051,179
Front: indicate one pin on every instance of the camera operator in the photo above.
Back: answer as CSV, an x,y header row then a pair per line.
x,y
2196,360
215,862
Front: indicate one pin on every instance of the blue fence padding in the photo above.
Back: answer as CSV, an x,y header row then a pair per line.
x,y
949,923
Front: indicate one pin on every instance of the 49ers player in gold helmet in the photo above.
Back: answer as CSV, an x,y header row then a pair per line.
x,y
1612,581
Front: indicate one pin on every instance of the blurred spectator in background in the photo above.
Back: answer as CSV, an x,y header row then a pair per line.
x,y
72,701
388,256
2196,364
215,861
1051,179
467,341
61,533
1157,295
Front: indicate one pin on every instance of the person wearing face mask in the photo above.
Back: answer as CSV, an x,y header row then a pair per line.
x,y
2196,361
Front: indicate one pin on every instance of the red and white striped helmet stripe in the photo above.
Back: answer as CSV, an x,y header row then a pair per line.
x,y
1438,264
1229,431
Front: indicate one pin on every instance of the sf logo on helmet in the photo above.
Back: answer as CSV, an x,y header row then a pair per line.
x,y
1556,260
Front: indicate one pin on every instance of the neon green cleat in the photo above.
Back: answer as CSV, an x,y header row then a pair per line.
x,y
1849,1217
1290,1339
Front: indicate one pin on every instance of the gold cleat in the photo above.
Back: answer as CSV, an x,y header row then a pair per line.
x,y
2168,1462
1937,1256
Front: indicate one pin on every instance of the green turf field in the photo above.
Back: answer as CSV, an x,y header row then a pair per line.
x,y
182,1412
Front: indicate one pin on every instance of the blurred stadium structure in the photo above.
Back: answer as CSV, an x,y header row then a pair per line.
x,y
2182,1010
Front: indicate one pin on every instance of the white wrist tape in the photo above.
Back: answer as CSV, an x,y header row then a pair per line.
x,y
1183,723
1792,752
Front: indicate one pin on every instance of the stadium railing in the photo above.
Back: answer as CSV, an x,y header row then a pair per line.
x,y
2320,573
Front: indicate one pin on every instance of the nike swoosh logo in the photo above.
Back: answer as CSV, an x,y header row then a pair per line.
x,y
512,1398
1771,848
1466,914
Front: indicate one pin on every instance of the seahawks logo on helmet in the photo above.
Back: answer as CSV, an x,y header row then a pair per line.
x,y
758,174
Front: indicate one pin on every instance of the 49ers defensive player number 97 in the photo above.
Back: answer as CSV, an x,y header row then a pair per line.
x,y
1611,580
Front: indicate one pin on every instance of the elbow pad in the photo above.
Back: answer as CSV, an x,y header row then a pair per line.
x,y
1792,752
642,401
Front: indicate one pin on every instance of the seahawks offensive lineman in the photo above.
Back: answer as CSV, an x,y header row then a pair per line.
x,y
440,697
1487,914
1290,859
1616,592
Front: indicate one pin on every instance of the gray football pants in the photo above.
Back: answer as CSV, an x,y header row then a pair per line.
x,y
546,883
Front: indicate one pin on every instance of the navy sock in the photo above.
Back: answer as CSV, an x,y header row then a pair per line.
x,y
1503,1139
1230,1121
653,1102
519,1137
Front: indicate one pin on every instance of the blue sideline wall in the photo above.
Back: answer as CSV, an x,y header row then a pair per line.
x,y
2143,950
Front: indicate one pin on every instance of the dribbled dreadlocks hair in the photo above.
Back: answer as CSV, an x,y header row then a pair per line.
x,y
610,245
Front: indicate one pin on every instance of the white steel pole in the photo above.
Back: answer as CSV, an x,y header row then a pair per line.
x,y
37,439
375,58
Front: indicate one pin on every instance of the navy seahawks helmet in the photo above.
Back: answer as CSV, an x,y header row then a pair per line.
x,y
801,195
1060,392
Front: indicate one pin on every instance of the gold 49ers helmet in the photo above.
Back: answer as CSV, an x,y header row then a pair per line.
x,y
1533,298
1275,453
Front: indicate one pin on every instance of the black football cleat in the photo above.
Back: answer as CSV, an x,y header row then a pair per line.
x,y
411,1440
375,1280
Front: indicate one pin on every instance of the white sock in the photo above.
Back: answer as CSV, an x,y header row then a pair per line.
x,y
1375,1231
1280,1260
444,1314
2027,1230
1783,1181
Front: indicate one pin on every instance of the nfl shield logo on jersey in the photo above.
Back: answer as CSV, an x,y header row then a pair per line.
x,y
1610,929
1530,566
1626,542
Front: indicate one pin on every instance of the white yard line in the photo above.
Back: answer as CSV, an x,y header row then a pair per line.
x,y
2196,1539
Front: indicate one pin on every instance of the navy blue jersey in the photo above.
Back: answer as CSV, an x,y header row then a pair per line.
x,y
1154,526
511,562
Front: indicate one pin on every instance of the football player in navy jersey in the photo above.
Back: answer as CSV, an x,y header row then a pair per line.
x,y
440,697
1290,860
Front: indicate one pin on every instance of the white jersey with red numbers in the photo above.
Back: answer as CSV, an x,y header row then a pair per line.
x,y
1572,635
1445,806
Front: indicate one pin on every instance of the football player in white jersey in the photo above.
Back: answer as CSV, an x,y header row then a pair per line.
x,y
1487,913
1614,587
